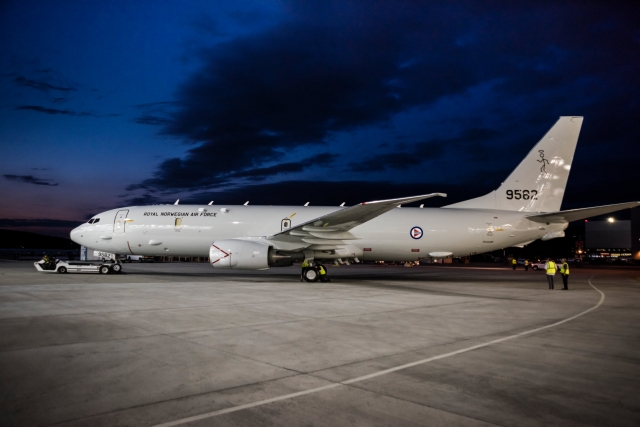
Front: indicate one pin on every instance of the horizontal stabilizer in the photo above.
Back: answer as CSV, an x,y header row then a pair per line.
x,y
577,214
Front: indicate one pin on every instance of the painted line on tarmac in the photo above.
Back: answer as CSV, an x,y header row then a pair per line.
x,y
379,373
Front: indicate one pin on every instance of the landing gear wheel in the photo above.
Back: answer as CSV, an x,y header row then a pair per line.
x,y
104,269
62,270
311,275
117,268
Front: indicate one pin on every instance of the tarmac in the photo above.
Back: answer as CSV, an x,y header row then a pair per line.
x,y
183,344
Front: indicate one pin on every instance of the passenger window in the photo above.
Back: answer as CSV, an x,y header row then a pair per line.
x,y
178,222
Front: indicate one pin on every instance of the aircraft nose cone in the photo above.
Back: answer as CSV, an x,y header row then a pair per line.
x,y
76,235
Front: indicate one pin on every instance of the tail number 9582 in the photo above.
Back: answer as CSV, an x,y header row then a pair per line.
x,y
522,194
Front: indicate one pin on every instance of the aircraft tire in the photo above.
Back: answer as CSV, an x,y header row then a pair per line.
x,y
311,275
117,268
62,270
104,269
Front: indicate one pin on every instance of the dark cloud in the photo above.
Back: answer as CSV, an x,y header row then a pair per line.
x,y
18,223
55,111
41,85
30,179
257,174
421,152
151,120
178,169
46,110
295,84
339,66
155,113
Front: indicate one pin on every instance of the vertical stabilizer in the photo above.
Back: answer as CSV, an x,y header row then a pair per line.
x,y
539,181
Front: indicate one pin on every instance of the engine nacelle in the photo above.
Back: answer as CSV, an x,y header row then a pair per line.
x,y
248,255
552,235
241,254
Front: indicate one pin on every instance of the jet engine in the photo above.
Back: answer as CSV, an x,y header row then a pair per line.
x,y
249,255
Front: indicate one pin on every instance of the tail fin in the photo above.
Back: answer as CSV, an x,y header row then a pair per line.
x,y
538,183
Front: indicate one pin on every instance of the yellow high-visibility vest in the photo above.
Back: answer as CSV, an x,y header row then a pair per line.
x,y
305,263
564,268
322,271
551,267
513,261
526,262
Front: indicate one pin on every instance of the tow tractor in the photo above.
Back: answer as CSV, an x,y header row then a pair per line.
x,y
103,266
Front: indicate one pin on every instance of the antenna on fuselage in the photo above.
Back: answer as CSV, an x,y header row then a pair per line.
x,y
422,206
306,204
342,204
210,203
177,202
246,203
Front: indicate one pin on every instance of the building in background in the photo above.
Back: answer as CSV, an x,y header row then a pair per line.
x,y
613,239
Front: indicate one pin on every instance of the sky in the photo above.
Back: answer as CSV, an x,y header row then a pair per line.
x,y
120,103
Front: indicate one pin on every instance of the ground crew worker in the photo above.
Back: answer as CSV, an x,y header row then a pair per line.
x,y
323,273
48,261
305,266
564,271
514,262
526,265
550,266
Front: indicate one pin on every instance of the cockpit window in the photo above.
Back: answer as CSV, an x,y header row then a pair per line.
x,y
93,220
96,220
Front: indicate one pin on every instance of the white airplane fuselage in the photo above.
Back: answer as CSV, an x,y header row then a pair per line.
x,y
524,208
153,230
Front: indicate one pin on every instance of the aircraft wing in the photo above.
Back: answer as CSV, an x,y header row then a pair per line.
x,y
577,214
328,231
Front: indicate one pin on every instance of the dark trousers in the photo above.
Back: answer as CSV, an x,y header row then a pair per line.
x,y
514,266
565,281
526,268
550,280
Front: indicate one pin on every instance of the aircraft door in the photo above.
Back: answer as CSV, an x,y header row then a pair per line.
x,y
120,222
285,224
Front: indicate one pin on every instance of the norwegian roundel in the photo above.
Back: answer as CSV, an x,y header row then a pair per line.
x,y
416,232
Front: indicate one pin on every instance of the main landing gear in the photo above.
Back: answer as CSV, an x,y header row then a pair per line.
x,y
310,274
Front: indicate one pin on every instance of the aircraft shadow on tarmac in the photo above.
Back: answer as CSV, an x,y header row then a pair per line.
x,y
360,279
